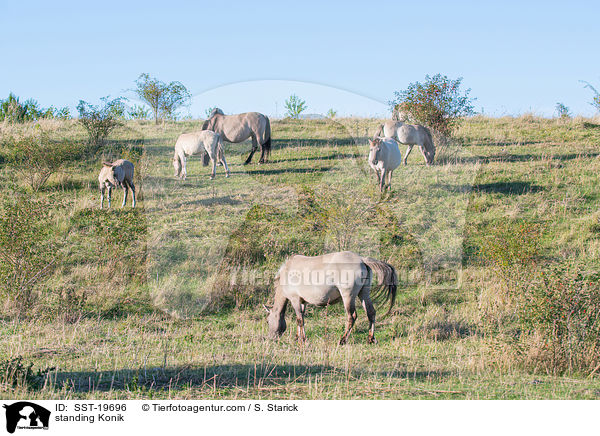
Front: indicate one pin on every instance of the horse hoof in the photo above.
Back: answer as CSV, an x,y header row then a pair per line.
x,y
212,177
227,175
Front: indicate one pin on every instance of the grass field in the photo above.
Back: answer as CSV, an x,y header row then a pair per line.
x,y
166,301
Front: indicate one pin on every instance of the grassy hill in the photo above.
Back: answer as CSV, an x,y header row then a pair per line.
x,y
497,247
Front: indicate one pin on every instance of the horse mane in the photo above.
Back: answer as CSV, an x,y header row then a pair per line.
x,y
387,280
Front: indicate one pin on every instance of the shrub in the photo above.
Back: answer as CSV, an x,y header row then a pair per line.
x,y
294,106
13,111
163,98
562,307
99,121
139,113
596,98
331,114
38,157
437,103
27,253
562,111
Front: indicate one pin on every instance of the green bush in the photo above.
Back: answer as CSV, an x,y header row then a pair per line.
x,y
562,306
27,253
437,103
99,121
39,156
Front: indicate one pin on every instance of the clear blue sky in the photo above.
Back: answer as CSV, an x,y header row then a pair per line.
x,y
516,56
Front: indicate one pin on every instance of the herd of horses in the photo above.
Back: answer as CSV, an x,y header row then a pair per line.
x,y
301,280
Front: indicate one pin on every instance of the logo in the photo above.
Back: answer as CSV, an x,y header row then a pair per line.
x,y
26,415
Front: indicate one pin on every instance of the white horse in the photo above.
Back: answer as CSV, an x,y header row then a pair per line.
x,y
409,134
327,279
204,141
384,158
118,173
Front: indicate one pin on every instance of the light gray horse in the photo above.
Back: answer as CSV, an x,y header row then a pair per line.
x,y
409,134
206,142
238,128
327,279
118,173
384,158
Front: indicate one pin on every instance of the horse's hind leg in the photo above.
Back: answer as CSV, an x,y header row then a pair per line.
x,y
132,186
124,192
408,150
224,162
368,306
350,307
254,149
214,167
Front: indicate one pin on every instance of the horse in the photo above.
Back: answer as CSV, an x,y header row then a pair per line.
x,y
409,134
118,173
210,144
238,128
384,158
327,279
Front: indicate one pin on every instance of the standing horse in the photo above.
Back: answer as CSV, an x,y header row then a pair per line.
x,y
208,143
118,173
409,134
327,279
238,128
384,158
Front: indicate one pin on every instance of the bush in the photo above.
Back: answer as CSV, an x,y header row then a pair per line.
x,y
13,111
437,103
139,113
99,121
38,157
562,111
27,254
562,306
164,98
596,98
294,106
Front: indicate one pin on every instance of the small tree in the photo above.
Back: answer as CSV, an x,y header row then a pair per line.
x,y
26,253
437,103
164,99
562,111
331,114
99,121
295,106
596,98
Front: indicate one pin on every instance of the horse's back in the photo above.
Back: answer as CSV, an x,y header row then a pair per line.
x,y
194,142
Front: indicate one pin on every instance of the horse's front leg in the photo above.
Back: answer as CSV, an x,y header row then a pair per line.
x,y
382,179
299,309
102,190
425,154
184,171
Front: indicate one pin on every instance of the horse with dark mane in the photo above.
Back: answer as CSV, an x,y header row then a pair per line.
x,y
328,279
239,127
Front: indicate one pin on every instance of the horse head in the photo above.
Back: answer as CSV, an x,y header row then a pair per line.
x,y
374,149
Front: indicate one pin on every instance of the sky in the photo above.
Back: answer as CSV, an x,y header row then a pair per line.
x,y
515,56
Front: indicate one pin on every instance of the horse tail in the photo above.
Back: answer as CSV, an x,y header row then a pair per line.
x,y
387,280
206,156
267,145
379,131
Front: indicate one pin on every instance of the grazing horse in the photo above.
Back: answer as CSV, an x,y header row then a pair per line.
x,y
384,158
327,279
409,134
238,128
118,173
210,144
